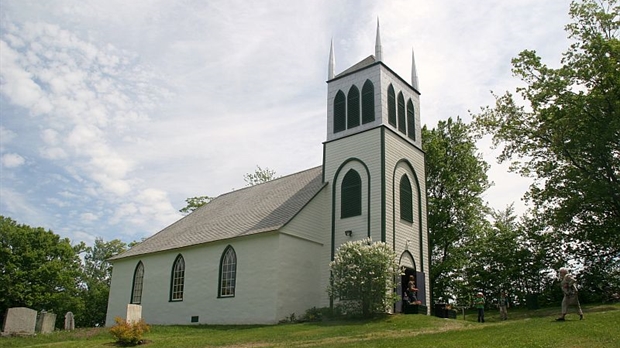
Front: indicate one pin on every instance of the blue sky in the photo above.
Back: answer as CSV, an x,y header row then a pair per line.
x,y
113,112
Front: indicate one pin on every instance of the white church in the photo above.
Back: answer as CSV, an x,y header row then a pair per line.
x,y
261,253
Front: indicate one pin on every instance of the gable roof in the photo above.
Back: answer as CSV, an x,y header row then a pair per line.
x,y
260,208
359,66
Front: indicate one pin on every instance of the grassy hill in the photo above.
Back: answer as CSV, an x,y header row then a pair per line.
x,y
524,328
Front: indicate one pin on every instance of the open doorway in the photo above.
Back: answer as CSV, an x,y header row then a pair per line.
x,y
402,289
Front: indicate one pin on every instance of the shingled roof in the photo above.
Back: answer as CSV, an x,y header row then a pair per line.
x,y
359,66
260,208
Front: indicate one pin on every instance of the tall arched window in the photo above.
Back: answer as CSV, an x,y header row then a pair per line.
x,y
406,199
228,272
402,126
368,102
178,279
138,279
351,195
340,112
410,120
391,106
353,107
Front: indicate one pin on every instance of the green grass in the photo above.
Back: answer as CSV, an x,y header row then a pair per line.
x,y
525,328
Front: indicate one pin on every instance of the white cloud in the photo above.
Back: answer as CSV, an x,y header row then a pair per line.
x,y
81,236
6,136
88,217
12,160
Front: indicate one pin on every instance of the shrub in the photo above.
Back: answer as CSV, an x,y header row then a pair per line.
x,y
129,334
314,314
363,278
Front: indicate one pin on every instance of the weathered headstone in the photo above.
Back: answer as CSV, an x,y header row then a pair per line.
x,y
69,321
134,313
46,322
20,320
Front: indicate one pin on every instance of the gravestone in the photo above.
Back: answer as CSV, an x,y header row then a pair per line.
x,y
134,313
69,321
20,321
45,322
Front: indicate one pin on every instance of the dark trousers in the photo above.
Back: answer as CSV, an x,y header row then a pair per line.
x,y
481,315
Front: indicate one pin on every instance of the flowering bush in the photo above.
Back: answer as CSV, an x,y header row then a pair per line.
x,y
363,277
129,334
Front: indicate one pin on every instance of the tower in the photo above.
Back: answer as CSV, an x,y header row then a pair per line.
x,y
374,164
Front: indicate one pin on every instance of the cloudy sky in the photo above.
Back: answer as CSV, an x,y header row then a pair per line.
x,y
114,112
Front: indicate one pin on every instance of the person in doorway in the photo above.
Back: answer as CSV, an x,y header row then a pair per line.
x,y
503,304
569,289
479,304
412,291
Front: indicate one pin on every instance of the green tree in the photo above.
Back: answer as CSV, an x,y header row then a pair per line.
x,y
455,179
567,136
259,176
96,274
38,269
507,256
194,203
364,277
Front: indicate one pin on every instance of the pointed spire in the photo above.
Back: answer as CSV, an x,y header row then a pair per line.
x,y
414,72
332,62
378,50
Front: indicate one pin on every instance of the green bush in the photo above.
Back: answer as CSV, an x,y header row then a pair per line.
x,y
363,278
129,334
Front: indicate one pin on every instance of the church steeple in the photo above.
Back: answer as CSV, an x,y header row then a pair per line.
x,y
378,51
374,164
414,72
332,62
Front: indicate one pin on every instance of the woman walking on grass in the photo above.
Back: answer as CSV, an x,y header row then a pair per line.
x,y
569,288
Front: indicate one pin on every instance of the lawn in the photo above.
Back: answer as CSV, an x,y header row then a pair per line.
x,y
525,328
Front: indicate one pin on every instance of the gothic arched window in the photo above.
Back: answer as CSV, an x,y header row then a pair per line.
x,y
391,106
138,280
406,199
353,107
402,126
228,272
368,102
410,120
340,112
351,195
178,279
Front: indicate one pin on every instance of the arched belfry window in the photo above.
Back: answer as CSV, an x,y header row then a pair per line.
x,y
351,195
406,199
353,107
368,102
178,279
391,99
228,272
340,112
402,127
410,120
138,281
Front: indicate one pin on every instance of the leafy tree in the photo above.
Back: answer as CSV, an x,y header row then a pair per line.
x,y
507,256
194,203
97,272
364,277
38,269
455,180
259,176
567,136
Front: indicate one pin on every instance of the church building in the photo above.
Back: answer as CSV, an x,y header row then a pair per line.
x,y
259,254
